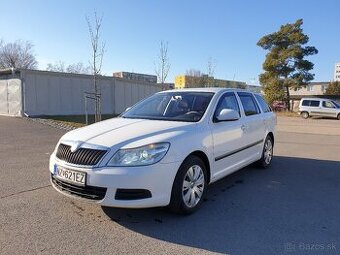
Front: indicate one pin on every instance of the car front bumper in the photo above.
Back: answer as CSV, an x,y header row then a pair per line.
x,y
157,179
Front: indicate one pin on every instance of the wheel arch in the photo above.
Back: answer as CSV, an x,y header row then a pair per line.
x,y
205,160
271,135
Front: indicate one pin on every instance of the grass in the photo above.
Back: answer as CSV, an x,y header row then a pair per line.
x,y
76,120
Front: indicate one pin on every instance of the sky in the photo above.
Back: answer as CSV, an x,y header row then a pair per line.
x,y
225,31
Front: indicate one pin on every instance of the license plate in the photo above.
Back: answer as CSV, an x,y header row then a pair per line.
x,y
68,175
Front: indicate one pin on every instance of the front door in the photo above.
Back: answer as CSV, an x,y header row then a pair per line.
x,y
228,138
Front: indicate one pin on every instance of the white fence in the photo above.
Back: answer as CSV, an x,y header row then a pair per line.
x,y
49,93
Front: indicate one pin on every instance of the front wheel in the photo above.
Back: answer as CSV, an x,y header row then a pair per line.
x,y
339,116
267,153
189,186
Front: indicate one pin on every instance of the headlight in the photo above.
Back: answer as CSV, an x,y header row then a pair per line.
x,y
141,156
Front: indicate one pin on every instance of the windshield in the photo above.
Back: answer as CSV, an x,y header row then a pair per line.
x,y
175,106
336,104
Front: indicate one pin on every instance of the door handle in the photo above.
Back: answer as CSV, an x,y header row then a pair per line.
x,y
244,127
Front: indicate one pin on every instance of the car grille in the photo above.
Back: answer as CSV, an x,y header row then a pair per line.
x,y
88,192
82,156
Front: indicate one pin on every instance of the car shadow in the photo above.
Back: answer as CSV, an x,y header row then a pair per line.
x,y
287,208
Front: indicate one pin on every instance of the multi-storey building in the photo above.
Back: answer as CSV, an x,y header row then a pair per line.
x,y
136,76
337,72
188,81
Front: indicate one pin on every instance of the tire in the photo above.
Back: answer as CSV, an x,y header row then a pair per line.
x,y
339,116
189,187
305,115
267,153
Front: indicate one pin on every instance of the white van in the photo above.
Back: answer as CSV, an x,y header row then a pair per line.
x,y
319,107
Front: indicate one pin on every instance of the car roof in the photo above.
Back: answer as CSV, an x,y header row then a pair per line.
x,y
208,89
314,98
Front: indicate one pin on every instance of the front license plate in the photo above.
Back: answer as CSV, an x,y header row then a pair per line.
x,y
68,175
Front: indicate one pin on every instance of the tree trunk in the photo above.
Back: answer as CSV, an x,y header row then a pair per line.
x,y
288,98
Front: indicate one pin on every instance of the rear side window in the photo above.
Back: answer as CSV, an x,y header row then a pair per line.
x,y
312,103
249,104
263,104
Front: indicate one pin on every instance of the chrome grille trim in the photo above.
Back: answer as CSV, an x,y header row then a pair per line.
x,y
82,156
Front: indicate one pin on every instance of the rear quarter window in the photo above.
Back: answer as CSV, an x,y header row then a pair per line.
x,y
263,104
305,102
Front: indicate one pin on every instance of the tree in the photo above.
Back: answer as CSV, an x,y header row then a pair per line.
x,y
333,88
18,54
78,68
58,66
211,71
285,65
98,50
163,65
195,78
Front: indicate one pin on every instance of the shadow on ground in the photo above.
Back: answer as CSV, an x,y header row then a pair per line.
x,y
285,209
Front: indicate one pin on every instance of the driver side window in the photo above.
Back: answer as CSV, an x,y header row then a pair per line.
x,y
227,101
327,104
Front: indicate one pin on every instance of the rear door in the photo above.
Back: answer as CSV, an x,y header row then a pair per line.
x,y
253,126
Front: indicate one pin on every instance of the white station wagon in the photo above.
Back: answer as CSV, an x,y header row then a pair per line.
x,y
166,149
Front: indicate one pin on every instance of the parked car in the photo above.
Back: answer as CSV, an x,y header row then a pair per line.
x,y
319,107
279,106
166,149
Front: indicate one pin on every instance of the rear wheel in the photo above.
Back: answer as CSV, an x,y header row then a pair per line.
x,y
305,115
267,153
189,186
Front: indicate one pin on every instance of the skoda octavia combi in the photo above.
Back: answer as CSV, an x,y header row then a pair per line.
x,y
166,149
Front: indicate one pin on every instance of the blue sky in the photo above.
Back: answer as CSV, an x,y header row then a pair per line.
x,y
223,30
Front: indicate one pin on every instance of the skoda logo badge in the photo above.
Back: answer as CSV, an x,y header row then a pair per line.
x,y
75,146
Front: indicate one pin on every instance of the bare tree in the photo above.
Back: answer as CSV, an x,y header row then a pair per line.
x,y
18,54
58,66
195,78
163,65
78,68
98,49
211,71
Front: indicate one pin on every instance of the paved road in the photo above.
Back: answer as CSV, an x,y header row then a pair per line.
x,y
291,208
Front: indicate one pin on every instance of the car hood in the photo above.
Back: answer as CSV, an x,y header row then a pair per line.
x,y
124,132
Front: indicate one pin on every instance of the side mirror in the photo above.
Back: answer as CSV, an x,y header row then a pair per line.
x,y
227,115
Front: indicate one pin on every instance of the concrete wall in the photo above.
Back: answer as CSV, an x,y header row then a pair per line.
x,y
49,93
10,97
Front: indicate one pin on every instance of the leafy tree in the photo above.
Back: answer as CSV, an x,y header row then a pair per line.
x,y
285,65
18,54
333,88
